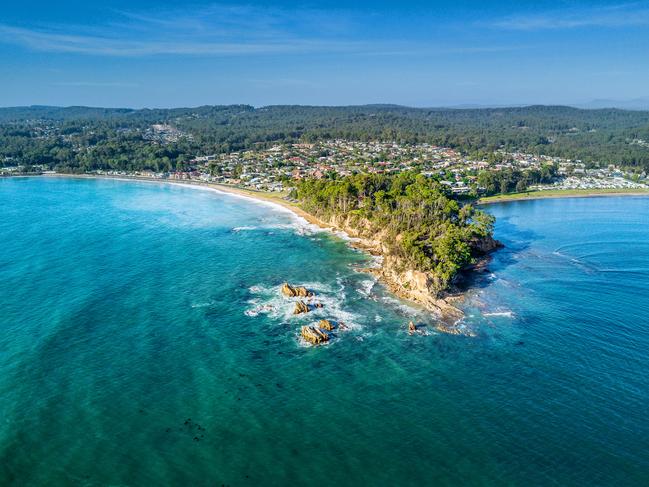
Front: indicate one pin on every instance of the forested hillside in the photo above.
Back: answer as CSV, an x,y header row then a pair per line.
x,y
79,138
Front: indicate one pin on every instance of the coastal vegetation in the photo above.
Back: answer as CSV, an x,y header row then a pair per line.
x,y
412,218
514,180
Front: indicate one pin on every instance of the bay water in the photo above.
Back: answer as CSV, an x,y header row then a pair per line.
x,y
144,341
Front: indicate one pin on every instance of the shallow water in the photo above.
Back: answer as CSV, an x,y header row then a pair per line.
x,y
144,342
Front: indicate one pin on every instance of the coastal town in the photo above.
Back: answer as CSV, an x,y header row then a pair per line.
x,y
277,168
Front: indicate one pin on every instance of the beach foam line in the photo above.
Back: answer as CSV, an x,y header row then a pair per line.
x,y
205,187
251,198
294,212
297,227
306,225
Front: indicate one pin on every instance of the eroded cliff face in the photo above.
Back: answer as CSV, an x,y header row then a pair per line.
x,y
413,285
419,287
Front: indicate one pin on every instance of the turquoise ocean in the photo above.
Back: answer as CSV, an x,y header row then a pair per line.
x,y
143,342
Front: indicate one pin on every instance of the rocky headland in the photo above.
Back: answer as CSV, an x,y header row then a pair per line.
x,y
407,283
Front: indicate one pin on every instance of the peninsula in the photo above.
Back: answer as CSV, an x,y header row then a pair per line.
x,y
424,236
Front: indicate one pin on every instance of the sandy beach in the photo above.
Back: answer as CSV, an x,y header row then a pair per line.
x,y
556,194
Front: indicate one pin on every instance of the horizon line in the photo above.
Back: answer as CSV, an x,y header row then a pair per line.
x,y
455,106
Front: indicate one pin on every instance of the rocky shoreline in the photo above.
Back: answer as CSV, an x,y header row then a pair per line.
x,y
409,284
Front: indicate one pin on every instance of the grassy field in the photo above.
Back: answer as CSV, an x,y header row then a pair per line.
x,y
561,193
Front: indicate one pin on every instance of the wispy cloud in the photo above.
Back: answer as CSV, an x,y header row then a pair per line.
x,y
221,30
49,41
246,21
612,16
216,31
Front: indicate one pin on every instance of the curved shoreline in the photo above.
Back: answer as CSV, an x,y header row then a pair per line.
x,y
556,195
256,196
446,309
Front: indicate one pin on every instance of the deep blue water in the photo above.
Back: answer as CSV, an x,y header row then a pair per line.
x,y
127,309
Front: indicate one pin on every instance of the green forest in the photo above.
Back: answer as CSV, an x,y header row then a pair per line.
x,y
418,220
78,139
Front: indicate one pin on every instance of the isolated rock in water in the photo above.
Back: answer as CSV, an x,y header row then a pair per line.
x,y
300,307
314,335
287,290
412,327
291,292
303,292
318,305
326,325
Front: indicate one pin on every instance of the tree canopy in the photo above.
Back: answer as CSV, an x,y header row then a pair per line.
x,y
417,219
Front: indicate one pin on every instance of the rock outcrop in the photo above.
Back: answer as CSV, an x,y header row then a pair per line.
x,y
412,328
417,286
297,291
326,325
485,245
314,335
300,307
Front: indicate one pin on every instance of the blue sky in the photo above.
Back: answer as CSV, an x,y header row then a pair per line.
x,y
141,53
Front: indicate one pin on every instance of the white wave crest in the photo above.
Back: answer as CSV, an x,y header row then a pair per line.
x,y
366,287
506,314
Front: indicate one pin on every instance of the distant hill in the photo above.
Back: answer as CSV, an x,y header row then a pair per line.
x,y
635,104
479,111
